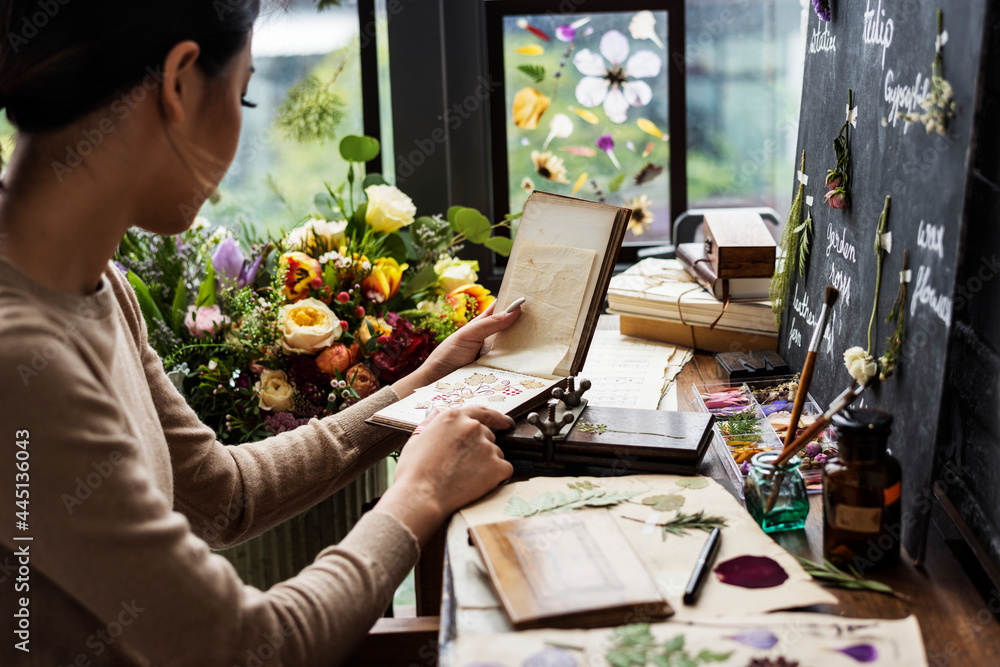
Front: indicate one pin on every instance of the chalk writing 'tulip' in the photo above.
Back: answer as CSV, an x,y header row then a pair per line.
x,y
877,31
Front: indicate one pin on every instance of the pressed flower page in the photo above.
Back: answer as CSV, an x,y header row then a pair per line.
x,y
553,279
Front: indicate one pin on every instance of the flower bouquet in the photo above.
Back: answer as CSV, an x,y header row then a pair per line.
x,y
263,334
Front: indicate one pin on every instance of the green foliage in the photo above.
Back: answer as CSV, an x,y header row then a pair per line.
x,y
534,72
583,494
359,149
615,184
473,225
667,503
746,422
635,646
830,575
501,245
682,523
150,311
789,255
310,112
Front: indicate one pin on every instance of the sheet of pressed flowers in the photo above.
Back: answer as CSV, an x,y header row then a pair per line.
x,y
471,385
553,279
753,574
799,638
629,372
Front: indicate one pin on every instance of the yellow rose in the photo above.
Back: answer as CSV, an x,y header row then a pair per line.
x,y
309,327
467,302
453,273
384,280
388,209
316,231
529,105
275,392
380,326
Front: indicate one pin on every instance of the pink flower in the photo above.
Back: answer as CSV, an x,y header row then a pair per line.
x,y
836,199
205,321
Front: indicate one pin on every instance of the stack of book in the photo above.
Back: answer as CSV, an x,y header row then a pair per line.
x,y
680,301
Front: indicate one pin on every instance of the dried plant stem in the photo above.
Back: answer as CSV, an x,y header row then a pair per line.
x,y
882,222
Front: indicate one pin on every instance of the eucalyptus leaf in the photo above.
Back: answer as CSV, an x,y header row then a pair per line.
x,y
473,225
359,149
453,215
501,245
372,179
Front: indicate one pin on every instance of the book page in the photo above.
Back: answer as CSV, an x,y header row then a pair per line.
x,y
628,372
471,385
553,280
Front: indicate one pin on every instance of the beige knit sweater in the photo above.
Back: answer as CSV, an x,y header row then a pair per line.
x,y
126,492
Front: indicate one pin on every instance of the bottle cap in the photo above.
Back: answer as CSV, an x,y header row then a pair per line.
x,y
862,434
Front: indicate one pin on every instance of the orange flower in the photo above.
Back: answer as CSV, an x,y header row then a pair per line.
x,y
384,280
302,273
338,358
468,301
362,380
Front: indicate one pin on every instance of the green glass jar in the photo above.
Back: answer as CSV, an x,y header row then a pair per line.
x,y
792,504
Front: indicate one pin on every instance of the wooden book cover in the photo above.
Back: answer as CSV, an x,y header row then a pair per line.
x,y
567,570
563,257
624,438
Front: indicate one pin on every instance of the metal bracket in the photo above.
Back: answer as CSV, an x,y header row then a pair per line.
x,y
564,408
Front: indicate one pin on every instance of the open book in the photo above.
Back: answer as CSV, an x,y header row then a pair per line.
x,y
563,257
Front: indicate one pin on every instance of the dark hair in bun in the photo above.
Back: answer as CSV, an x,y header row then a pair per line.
x,y
61,59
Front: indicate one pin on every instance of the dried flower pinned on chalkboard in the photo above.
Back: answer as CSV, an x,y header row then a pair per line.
x,y
860,363
794,246
894,343
837,178
822,8
938,106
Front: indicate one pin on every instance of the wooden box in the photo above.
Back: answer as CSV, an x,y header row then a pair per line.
x,y
739,244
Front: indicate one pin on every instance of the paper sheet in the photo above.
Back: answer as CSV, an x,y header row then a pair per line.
x,y
671,561
800,638
553,280
626,372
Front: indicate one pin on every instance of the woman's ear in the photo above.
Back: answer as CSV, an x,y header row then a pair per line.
x,y
182,81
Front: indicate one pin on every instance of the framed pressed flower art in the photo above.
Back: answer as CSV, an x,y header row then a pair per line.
x,y
586,104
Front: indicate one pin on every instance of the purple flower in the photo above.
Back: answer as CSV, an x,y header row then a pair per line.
x,y
566,33
231,265
821,458
745,468
757,638
822,8
606,143
861,652
813,449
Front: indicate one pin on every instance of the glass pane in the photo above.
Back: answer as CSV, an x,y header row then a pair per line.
x,y
744,82
273,179
587,110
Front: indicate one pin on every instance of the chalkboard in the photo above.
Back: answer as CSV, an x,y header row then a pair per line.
x,y
882,50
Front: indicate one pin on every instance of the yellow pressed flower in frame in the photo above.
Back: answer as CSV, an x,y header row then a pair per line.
x,y
549,166
529,105
641,215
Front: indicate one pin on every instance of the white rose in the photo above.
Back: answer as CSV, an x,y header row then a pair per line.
x,y
275,392
388,209
454,273
312,231
309,327
860,364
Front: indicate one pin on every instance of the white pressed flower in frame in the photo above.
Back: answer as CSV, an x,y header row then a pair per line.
x,y
614,83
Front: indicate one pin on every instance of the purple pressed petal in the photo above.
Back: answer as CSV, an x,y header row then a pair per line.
x,y
861,652
757,638
551,657
605,143
777,406
751,572
566,33
228,261
822,8
814,449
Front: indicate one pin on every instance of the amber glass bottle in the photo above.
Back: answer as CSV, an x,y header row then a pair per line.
x,y
862,520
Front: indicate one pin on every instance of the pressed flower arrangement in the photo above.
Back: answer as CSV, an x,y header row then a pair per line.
x,y
585,107
263,334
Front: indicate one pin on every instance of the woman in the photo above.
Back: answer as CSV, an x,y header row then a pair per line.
x,y
128,113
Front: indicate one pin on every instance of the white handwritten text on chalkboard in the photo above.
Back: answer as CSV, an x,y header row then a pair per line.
x,y
925,294
822,41
931,237
837,243
878,31
906,97
842,282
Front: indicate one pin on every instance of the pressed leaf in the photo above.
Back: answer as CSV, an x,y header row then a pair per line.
x,y
615,183
693,482
534,72
666,503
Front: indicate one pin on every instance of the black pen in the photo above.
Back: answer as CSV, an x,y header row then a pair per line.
x,y
701,568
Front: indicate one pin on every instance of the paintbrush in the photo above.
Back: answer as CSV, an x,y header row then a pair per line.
x,y
847,397
829,299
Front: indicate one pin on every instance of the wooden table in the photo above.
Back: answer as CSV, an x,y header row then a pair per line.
x,y
959,624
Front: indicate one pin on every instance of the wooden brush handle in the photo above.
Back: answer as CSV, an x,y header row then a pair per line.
x,y
800,443
800,399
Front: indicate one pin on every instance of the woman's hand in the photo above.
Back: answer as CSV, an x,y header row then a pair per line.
x,y
453,461
459,349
